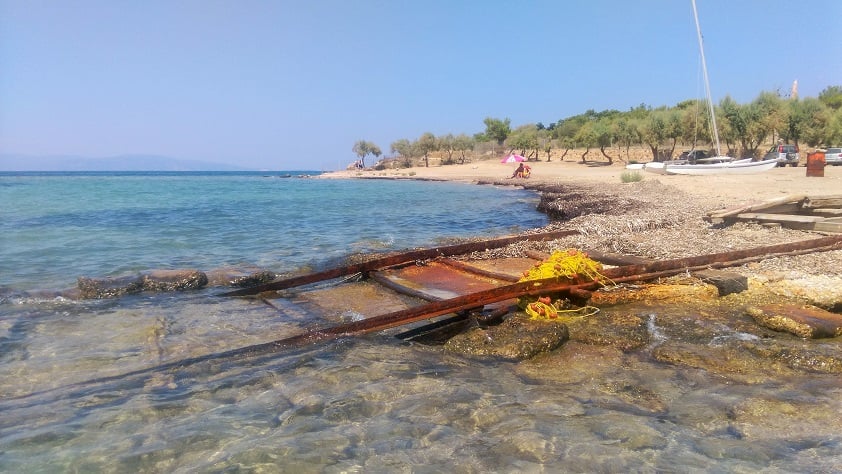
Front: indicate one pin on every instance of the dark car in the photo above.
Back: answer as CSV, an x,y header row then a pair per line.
x,y
693,155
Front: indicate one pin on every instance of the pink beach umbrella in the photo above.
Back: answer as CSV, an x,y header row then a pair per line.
x,y
513,159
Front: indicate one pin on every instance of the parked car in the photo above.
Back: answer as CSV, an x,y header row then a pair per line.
x,y
833,156
693,155
785,154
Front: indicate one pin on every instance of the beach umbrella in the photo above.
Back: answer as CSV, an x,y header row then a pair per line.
x,y
513,159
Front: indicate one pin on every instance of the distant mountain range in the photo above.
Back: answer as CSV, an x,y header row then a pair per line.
x,y
10,162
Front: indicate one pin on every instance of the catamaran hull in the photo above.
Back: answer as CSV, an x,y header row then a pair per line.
x,y
734,167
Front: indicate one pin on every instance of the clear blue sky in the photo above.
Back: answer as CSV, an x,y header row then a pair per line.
x,y
292,85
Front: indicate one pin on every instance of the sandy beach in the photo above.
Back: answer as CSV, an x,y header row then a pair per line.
x,y
738,189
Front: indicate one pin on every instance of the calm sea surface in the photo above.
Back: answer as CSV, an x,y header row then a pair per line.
x,y
122,385
58,226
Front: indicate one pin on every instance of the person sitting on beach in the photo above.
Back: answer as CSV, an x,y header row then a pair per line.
x,y
518,172
526,171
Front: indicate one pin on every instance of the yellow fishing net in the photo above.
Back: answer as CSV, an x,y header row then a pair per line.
x,y
572,265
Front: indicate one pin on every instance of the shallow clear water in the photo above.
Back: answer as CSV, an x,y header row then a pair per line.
x,y
58,226
123,385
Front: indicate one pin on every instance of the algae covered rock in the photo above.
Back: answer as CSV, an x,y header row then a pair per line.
x,y
804,321
517,338
99,288
174,280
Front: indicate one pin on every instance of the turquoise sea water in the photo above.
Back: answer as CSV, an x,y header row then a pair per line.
x,y
55,227
125,385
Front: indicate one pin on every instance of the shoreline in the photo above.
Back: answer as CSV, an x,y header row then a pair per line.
x,y
662,216
739,189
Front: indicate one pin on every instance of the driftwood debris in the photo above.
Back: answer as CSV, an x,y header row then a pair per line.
x,y
815,213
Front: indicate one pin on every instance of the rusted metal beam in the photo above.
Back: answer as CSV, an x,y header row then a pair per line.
x,y
755,253
642,272
437,308
397,259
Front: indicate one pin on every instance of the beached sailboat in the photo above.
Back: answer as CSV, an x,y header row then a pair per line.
x,y
718,164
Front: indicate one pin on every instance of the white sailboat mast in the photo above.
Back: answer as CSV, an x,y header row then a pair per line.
x,y
707,82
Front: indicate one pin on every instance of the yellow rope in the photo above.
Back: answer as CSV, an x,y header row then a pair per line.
x,y
540,310
572,265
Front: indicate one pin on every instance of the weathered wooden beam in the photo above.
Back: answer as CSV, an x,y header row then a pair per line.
x,y
396,259
721,215
828,227
785,220
827,212
823,201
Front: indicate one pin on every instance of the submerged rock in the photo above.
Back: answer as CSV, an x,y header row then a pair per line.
x,y
99,288
174,280
517,338
157,280
620,329
239,278
804,321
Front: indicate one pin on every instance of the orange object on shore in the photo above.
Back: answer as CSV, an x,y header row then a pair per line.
x,y
815,164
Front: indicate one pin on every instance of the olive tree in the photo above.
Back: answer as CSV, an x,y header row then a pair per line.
x,y
463,143
808,120
773,113
625,134
653,131
447,144
524,138
363,148
585,137
404,148
831,97
746,124
427,143
604,136
498,130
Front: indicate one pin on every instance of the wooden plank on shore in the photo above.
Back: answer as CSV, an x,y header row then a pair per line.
x,y
722,214
827,212
397,259
785,220
828,227
782,218
823,201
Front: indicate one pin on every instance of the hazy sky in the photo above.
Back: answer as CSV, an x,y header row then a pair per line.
x,y
292,85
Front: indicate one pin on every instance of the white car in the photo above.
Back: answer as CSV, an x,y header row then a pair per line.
x,y
833,156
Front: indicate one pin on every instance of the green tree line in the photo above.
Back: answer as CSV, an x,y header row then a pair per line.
x,y
743,130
